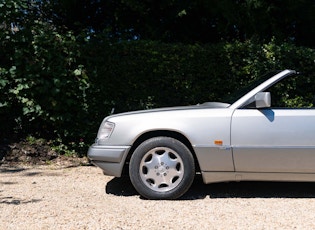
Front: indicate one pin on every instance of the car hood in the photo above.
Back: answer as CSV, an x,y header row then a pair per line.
x,y
206,105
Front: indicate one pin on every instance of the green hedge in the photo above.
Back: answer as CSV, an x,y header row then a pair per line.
x,y
59,85
142,74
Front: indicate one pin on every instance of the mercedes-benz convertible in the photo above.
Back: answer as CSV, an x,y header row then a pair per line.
x,y
265,134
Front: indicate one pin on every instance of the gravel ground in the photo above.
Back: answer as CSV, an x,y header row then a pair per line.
x,y
49,197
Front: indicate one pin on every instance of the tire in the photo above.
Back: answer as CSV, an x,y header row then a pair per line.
x,y
162,168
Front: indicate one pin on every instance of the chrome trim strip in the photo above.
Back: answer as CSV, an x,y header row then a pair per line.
x,y
273,147
214,177
252,147
211,146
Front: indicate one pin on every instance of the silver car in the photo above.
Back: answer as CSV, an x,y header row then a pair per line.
x,y
252,138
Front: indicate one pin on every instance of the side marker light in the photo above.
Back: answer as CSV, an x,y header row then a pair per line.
x,y
218,142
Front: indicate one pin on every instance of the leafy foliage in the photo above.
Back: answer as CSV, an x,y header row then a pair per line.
x,y
41,78
146,74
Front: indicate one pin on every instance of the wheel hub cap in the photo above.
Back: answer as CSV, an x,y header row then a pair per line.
x,y
161,169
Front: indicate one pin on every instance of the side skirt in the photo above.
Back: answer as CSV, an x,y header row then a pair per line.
x,y
213,177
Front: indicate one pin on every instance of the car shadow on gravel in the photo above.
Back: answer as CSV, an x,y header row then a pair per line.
x,y
120,186
123,187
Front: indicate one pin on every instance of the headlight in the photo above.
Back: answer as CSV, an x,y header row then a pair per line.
x,y
105,130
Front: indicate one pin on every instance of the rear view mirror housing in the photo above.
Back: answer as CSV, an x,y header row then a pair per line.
x,y
263,100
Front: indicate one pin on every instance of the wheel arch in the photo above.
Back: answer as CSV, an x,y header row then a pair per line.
x,y
159,133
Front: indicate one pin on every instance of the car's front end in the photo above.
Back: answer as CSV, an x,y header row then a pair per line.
x,y
118,133
110,158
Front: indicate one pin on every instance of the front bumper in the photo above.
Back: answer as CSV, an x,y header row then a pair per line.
x,y
110,159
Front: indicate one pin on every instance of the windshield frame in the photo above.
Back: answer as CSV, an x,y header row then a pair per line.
x,y
257,86
240,92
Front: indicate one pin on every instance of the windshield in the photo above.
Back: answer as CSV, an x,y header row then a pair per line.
x,y
239,92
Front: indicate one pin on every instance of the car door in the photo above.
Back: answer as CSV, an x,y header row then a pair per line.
x,y
280,138
274,140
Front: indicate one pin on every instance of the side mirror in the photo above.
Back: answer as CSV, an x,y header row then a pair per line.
x,y
263,100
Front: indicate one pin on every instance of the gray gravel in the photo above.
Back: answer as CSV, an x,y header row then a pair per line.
x,y
47,197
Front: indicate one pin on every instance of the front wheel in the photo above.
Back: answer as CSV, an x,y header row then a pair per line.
x,y
162,168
